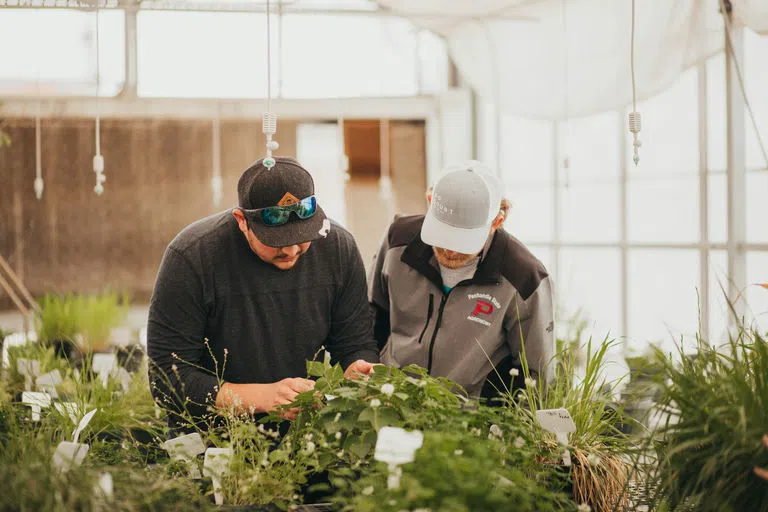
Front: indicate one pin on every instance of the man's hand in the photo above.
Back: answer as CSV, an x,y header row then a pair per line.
x,y
253,398
358,368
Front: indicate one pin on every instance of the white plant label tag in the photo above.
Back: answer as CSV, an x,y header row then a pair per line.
x,y
560,423
83,423
125,378
48,382
215,465
185,447
397,446
104,364
104,486
68,408
37,401
68,455
30,369
17,339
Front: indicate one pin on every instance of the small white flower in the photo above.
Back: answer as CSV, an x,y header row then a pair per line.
x,y
310,447
388,389
174,367
375,403
519,442
530,382
475,431
465,424
336,419
367,491
338,435
458,452
514,372
495,432
584,508
593,459
295,496
340,453
308,436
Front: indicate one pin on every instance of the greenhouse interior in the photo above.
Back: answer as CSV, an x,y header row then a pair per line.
x,y
384,255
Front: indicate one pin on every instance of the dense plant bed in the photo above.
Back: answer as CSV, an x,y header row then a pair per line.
x,y
474,456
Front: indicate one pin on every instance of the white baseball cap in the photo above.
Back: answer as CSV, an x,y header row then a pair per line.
x,y
465,201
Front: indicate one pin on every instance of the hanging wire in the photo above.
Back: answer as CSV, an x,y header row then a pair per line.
x,y
98,159
39,185
729,48
635,121
269,121
564,132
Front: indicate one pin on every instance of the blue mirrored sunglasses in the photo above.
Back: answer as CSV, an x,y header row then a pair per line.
x,y
279,215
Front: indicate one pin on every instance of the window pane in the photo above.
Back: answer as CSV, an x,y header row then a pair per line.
x,y
662,295
591,145
213,54
670,131
664,210
756,84
53,52
433,63
486,133
718,306
589,281
716,113
318,149
718,214
757,297
530,218
590,213
757,206
526,155
329,56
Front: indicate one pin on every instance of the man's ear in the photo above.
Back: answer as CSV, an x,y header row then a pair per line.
x,y
498,221
240,218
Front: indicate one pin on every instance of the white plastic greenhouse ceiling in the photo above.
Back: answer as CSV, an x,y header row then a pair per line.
x,y
357,255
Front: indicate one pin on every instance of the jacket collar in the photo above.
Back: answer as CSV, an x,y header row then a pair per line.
x,y
420,257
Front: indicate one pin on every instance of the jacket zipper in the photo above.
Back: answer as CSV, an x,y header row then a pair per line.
x,y
429,316
434,333
440,318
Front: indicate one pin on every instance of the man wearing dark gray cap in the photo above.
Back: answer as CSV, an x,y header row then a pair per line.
x,y
244,297
456,294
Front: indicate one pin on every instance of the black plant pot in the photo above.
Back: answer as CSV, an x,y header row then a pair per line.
x,y
130,357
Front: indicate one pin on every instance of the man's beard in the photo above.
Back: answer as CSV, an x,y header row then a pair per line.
x,y
450,259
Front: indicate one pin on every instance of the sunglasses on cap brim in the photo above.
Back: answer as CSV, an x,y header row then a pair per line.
x,y
279,215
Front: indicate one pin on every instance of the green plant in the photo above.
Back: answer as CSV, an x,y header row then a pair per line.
x,y
716,404
601,469
102,313
60,318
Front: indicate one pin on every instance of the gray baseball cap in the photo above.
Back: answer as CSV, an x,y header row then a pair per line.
x,y
465,201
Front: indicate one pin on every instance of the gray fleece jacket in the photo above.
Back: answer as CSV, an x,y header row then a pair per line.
x,y
474,333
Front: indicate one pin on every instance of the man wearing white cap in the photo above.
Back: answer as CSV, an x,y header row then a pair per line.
x,y
456,294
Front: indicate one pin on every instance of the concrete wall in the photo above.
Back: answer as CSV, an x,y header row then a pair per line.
x,y
158,181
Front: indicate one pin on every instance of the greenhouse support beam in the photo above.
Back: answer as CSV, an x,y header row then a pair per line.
x,y
704,306
623,227
735,172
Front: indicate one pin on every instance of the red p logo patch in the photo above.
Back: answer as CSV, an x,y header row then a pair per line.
x,y
482,307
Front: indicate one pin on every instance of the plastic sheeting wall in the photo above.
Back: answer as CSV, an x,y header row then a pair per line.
x,y
158,181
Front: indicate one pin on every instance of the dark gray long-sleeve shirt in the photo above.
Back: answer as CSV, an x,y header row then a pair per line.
x,y
261,323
